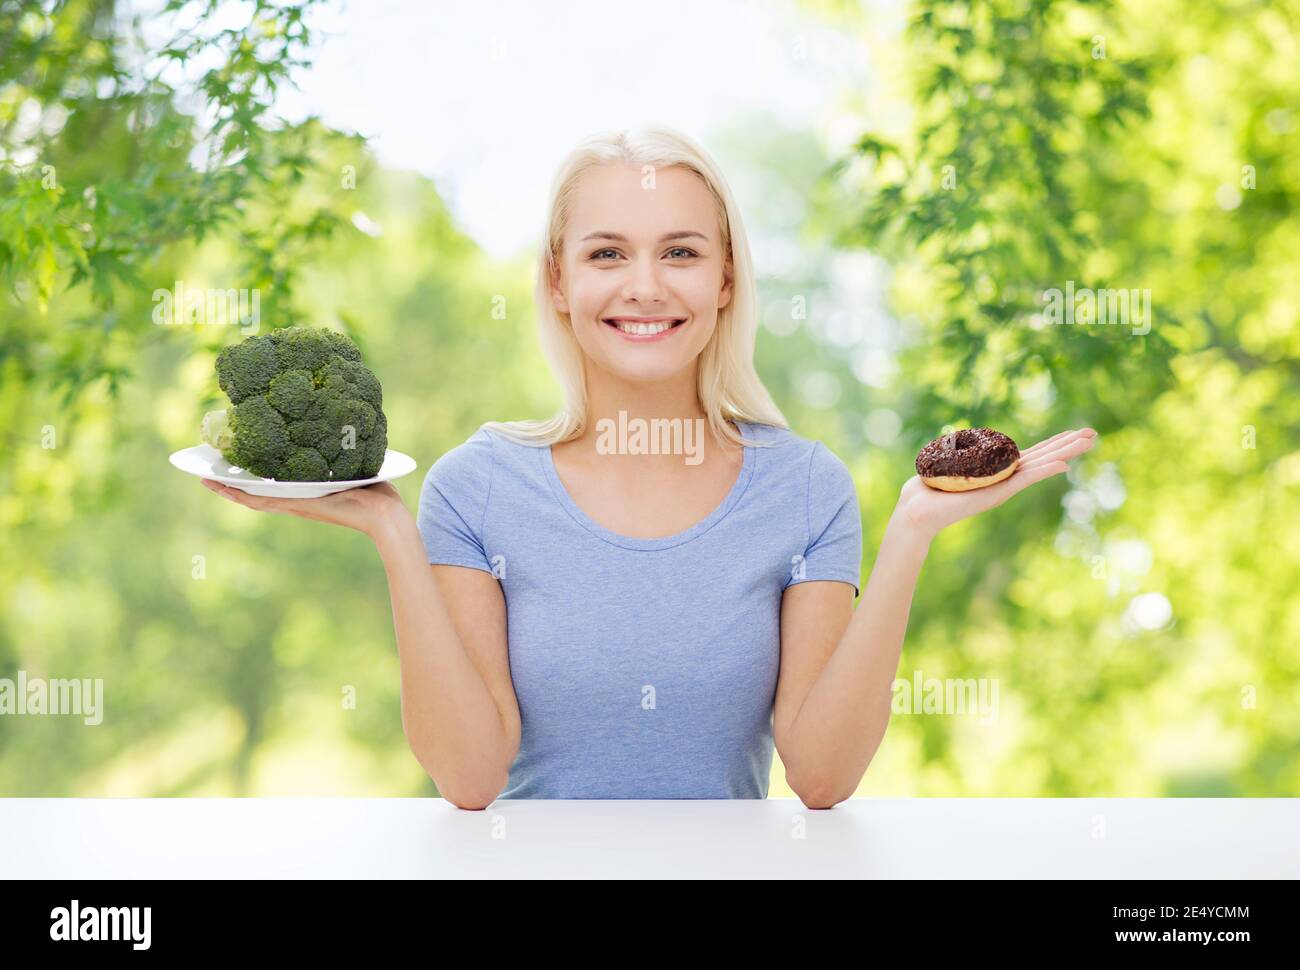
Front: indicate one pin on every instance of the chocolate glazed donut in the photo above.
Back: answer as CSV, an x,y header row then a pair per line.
x,y
967,459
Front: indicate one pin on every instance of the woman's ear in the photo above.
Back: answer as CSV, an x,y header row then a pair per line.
x,y
557,291
724,294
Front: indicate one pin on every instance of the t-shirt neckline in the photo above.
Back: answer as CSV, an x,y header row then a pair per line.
x,y
662,542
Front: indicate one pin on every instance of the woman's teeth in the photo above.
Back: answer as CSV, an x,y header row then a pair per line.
x,y
643,329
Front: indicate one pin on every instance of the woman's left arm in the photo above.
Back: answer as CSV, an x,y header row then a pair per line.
x,y
838,664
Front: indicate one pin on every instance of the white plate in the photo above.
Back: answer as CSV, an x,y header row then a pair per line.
x,y
206,462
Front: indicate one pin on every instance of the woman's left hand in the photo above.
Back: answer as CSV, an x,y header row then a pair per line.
x,y
929,510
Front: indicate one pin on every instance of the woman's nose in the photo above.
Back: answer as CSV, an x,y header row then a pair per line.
x,y
643,283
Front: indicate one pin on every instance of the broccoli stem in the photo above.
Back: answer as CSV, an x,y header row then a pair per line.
x,y
215,430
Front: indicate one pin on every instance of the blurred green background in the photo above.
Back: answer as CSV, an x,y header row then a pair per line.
x,y
1141,620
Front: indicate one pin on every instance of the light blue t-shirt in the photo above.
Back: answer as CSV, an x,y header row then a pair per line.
x,y
643,668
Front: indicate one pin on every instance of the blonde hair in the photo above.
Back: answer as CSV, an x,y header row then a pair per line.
x,y
728,385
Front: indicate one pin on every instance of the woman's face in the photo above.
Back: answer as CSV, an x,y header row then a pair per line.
x,y
644,251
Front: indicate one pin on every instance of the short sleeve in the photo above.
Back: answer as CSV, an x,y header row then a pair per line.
x,y
834,548
453,504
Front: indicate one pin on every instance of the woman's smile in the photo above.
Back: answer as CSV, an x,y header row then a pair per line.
x,y
644,329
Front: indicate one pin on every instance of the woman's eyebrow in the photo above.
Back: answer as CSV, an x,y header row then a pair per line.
x,y
680,234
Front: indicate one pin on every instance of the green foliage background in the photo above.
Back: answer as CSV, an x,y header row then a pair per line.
x,y
1000,156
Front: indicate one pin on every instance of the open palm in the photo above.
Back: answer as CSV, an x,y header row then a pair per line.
x,y
931,510
362,509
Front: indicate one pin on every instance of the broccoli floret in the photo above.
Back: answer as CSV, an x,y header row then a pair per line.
x,y
306,465
347,464
246,369
291,392
260,436
356,379
341,408
318,434
305,408
310,349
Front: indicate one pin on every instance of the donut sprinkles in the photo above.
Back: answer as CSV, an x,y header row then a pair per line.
x,y
967,459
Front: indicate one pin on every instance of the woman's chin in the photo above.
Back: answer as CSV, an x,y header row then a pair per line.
x,y
643,368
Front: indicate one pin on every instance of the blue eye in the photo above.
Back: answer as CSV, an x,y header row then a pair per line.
x,y
685,253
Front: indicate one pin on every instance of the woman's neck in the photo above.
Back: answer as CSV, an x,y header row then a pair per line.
x,y
647,424
612,401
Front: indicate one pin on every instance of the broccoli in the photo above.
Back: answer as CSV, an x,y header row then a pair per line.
x,y
304,408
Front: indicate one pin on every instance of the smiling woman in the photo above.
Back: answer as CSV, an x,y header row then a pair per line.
x,y
641,282
643,231
625,622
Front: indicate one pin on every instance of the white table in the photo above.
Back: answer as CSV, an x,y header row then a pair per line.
x,y
871,838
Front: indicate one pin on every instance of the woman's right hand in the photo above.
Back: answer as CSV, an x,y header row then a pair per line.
x,y
364,509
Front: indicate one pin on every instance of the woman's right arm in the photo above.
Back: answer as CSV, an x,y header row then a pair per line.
x,y
459,710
